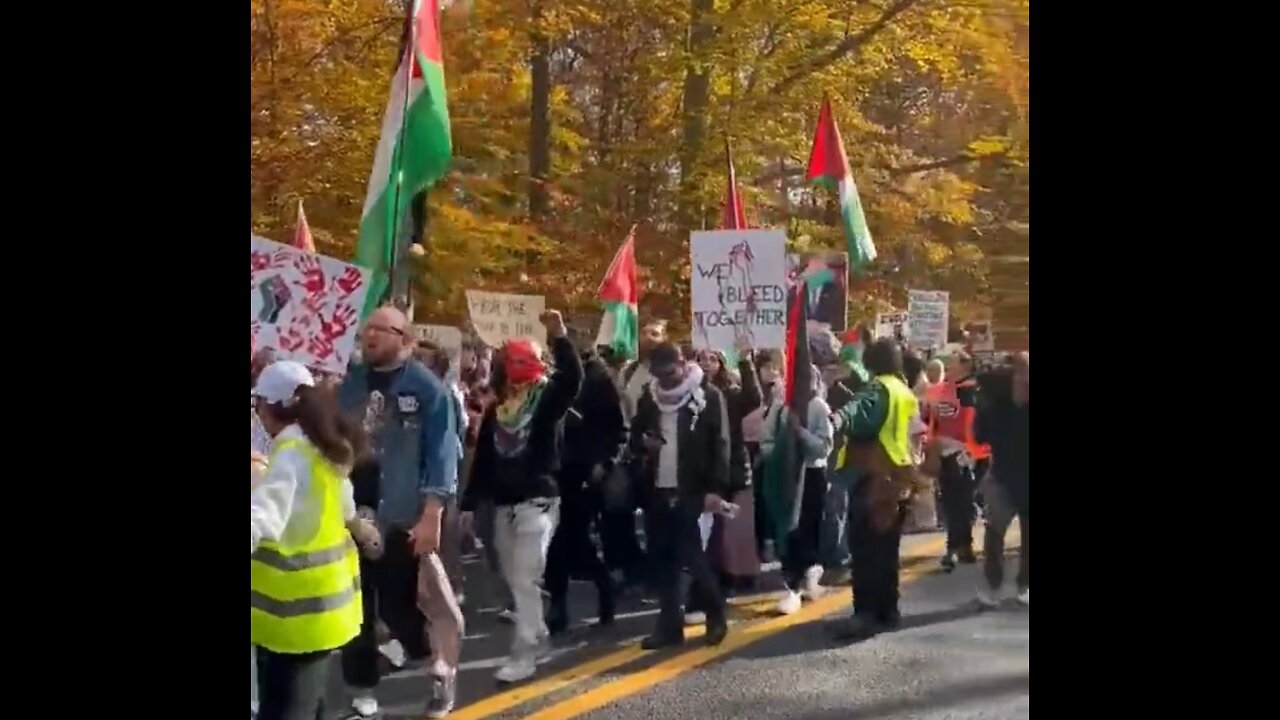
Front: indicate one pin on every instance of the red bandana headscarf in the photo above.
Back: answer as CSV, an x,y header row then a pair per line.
x,y
523,362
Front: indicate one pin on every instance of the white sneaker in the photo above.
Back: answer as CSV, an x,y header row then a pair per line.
x,y
516,670
813,589
365,705
790,603
695,618
1024,597
393,651
989,597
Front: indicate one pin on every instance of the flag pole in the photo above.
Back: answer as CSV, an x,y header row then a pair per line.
x,y
411,57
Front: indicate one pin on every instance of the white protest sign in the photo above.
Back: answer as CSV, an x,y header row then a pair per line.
x,y
739,288
893,325
498,317
448,338
981,337
304,306
928,313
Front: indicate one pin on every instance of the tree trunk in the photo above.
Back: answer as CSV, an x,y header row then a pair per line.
x,y
697,90
539,118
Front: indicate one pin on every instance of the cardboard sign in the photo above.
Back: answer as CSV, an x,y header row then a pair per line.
x,y
499,317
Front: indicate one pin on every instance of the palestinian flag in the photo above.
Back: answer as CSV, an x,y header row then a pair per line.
x,y
784,468
735,215
829,166
414,150
302,233
620,329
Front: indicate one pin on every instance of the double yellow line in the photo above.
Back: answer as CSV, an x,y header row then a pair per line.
x,y
739,637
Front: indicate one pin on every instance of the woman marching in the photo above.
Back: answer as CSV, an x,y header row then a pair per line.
x,y
305,599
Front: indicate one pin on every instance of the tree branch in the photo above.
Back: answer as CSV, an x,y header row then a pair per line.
x,y
961,159
845,47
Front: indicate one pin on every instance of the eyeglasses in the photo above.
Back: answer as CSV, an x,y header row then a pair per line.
x,y
385,330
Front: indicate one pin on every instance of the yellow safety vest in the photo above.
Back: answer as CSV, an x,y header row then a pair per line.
x,y
305,597
894,433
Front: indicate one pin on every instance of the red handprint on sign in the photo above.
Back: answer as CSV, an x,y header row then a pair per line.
x,y
259,261
315,304
312,274
281,258
320,348
336,326
254,328
349,282
293,338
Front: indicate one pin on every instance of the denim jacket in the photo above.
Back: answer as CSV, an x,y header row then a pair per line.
x,y
415,440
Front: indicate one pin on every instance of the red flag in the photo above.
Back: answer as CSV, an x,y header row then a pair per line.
x,y
735,217
302,233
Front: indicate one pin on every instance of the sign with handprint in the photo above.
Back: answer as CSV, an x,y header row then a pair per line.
x,y
304,306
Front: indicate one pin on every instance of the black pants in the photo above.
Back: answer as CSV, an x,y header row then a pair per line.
x,y
573,552
671,524
875,561
621,546
390,587
958,484
292,687
804,543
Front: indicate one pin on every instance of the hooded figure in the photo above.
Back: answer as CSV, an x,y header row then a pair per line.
x,y
516,463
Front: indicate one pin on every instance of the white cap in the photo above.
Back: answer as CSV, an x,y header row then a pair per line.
x,y
278,381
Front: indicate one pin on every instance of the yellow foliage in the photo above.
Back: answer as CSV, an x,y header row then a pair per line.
x,y
931,98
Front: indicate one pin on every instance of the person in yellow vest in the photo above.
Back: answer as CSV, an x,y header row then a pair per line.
x,y
876,426
305,588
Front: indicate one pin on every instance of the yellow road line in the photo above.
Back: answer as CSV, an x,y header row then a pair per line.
x,y
499,702
737,639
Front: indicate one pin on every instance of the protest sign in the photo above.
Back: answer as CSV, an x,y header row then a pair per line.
x,y
738,288
826,277
447,338
981,336
304,306
928,314
498,317
894,325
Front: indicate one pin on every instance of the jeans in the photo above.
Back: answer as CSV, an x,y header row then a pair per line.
x,y
1000,513
957,483
675,542
803,542
292,687
834,539
522,534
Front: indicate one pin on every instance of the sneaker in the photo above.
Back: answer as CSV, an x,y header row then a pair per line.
x,y
967,556
813,589
516,669
444,693
1024,597
949,561
393,651
364,706
695,618
790,603
989,597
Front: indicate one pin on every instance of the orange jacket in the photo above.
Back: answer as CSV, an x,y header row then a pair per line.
x,y
952,414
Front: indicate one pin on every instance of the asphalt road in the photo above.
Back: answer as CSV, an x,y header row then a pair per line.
x,y
949,660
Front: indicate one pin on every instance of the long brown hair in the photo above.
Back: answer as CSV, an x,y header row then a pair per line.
x,y
315,409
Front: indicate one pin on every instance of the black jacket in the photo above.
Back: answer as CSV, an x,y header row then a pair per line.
x,y
740,401
508,481
595,431
702,464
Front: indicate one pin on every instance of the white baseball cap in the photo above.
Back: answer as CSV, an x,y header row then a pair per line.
x,y
278,381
